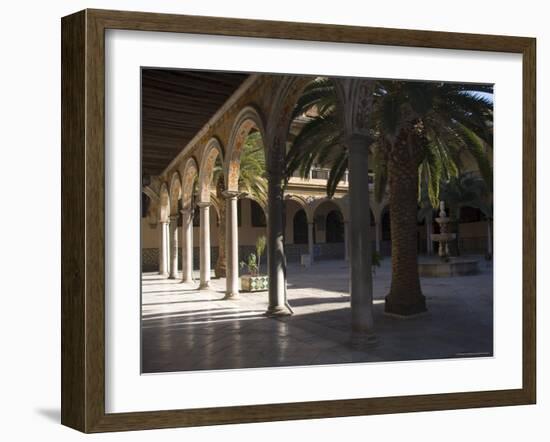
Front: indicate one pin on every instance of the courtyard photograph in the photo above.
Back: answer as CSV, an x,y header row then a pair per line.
x,y
297,220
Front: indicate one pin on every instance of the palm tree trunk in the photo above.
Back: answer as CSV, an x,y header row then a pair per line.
x,y
221,262
405,297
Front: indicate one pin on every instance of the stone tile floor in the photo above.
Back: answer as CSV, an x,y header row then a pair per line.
x,y
187,329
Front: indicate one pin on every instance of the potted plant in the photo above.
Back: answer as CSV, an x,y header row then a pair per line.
x,y
376,261
254,281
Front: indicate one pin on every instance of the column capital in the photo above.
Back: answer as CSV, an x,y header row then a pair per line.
x,y
173,218
202,204
164,221
186,212
230,194
357,98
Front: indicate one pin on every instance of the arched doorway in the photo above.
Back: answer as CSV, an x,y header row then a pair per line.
x,y
335,227
209,173
300,227
295,229
330,230
245,172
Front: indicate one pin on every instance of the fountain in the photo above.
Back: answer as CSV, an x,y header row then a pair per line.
x,y
446,265
444,237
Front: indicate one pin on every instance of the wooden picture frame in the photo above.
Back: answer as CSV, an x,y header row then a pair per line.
x,y
83,216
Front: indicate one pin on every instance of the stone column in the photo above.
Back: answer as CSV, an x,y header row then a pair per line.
x,y
187,246
164,249
173,247
276,261
204,245
360,246
232,245
310,244
346,240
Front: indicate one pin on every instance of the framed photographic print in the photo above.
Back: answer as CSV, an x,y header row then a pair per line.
x,y
266,221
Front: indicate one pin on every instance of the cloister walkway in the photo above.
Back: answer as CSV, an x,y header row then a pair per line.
x,y
187,329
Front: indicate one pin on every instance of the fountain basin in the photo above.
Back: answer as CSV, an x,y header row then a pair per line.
x,y
445,237
453,267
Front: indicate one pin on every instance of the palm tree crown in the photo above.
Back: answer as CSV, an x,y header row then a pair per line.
x,y
438,121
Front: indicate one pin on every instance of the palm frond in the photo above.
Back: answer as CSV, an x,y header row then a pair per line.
x,y
449,119
320,93
477,148
337,173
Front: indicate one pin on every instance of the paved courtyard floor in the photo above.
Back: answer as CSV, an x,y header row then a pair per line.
x,y
187,329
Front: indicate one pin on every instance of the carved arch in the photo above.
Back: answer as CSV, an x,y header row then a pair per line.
x,y
262,204
303,203
211,152
189,174
289,89
249,118
338,202
175,192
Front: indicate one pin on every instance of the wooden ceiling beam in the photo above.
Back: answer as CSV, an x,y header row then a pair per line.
x,y
176,104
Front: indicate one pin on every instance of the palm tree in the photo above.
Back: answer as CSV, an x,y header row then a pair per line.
x,y
252,182
420,130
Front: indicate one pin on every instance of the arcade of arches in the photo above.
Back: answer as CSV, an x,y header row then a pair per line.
x,y
263,104
185,218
